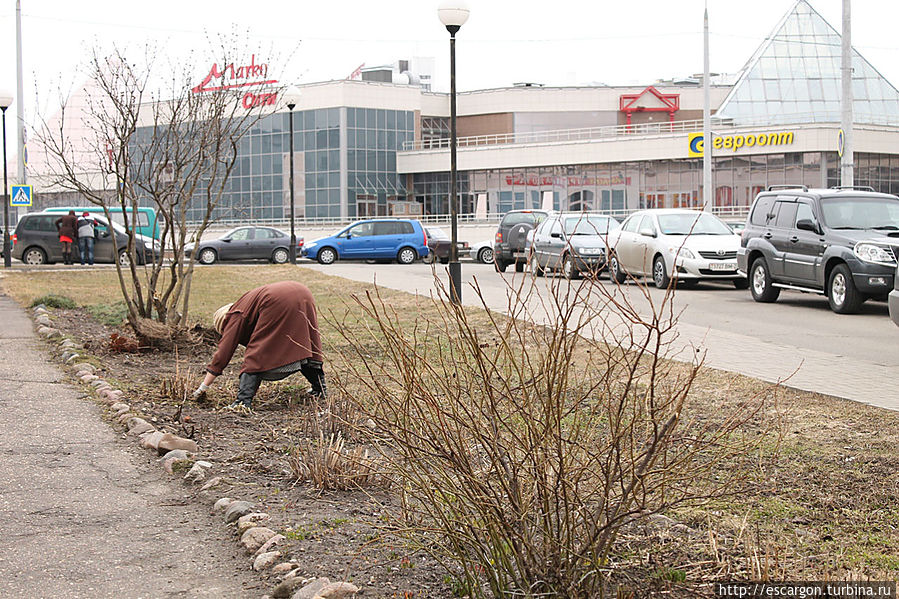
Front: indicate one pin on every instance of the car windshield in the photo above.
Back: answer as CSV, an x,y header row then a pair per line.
x,y
438,234
861,213
699,223
589,225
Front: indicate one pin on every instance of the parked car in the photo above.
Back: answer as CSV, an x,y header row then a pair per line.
x,y
736,226
245,243
840,243
401,239
510,242
482,252
573,243
439,244
36,241
667,243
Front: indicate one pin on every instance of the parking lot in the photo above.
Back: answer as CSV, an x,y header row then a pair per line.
x,y
798,337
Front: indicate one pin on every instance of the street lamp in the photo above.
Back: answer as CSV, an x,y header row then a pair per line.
x,y
453,14
5,102
291,98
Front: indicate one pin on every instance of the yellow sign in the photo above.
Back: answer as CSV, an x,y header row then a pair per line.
x,y
735,142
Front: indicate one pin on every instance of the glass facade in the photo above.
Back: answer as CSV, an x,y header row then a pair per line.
x,y
625,186
373,138
794,77
340,155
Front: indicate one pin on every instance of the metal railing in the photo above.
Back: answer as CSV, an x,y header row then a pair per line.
x,y
471,219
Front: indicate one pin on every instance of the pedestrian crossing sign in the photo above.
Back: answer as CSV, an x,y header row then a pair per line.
x,y
20,195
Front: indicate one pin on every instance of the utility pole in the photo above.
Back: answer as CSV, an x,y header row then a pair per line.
x,y
708,200
22,178
847,166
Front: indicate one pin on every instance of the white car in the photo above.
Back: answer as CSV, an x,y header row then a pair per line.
x,y
688,245
482,252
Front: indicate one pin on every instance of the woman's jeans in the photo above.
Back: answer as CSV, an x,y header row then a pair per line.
x,y
86,248
250,381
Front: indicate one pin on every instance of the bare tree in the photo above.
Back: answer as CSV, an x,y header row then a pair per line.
x,y
524,445
173,149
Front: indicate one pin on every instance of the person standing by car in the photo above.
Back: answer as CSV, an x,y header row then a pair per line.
x,y
86,226
277,323
67,227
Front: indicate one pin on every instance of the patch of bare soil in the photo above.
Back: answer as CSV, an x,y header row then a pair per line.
x,y
337,534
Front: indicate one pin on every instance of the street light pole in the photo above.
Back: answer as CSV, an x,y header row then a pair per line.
x,y
453,15
5,102
290,98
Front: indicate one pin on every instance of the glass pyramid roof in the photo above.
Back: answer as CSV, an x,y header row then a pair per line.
x,y
794,77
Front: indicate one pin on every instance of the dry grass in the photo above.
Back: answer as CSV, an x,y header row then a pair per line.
x,y
329,465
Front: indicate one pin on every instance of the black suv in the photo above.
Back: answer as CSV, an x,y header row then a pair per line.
x,y
839,242
510,246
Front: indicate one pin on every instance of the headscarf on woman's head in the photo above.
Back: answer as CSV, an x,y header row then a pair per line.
x,y
218,317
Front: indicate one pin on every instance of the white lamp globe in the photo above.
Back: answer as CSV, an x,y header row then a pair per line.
x,y
291,97
5,99
453,13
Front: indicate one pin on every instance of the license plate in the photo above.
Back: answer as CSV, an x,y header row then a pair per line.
x,y
722,266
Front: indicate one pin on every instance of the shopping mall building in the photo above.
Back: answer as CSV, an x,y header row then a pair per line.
x,y
367,148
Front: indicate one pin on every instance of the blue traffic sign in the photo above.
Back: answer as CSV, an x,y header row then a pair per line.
x,y
20,195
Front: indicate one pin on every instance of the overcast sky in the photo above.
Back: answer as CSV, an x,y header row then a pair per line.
x,y
561,42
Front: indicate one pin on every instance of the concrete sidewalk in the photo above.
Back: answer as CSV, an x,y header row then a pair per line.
x,y
81,515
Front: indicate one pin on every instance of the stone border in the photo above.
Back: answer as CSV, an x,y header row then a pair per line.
x,y
178,453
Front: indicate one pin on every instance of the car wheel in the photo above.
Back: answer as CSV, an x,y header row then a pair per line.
x,y
280,256
431,258
406,255
444,260
760,282
208,256
615,271
485,256
569,269
535,268
842,293
34,256
660,273
741,283
500,265
327,256
124,258
519,265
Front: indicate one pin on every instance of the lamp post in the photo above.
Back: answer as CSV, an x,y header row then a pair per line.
x,y
291,97
453,14
5,102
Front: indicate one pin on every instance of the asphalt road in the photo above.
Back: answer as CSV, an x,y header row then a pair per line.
x,y
851,356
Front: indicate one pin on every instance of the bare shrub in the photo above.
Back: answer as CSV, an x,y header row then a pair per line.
x,y
329,465
524,444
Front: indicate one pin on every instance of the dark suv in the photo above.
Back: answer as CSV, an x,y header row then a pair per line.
x,y
510,244
838,242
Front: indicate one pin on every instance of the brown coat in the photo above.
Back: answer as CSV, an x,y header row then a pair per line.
x,y
277,324
67,225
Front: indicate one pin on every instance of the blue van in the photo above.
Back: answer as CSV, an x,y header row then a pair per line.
x,y
149,224
383,238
